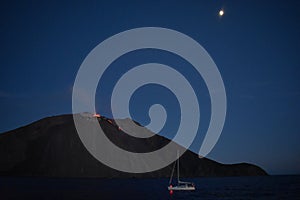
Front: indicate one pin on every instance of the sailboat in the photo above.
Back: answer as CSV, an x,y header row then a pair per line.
x,y
180,184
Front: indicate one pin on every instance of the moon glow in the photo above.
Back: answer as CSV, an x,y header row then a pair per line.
x,y
221,13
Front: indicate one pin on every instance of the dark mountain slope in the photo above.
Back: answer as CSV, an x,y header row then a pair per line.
x,y
52,147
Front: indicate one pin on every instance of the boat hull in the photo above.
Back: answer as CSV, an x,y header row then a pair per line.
x,y
189,188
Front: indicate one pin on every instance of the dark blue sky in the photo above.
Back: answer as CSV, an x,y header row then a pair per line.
x,y
255,45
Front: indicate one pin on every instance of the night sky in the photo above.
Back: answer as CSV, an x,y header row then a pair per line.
x,y
255,45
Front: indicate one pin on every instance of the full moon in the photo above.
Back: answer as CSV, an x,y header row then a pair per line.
x,y
221,12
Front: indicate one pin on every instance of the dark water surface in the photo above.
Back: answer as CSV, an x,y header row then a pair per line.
x,y
269,187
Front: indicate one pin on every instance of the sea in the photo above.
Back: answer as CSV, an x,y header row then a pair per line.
x,y
264,187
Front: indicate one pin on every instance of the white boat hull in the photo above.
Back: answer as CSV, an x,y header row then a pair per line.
x,y
189,188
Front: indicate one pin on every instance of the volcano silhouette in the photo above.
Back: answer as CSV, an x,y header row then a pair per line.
x,y
51,147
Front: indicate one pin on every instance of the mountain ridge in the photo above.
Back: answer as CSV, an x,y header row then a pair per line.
x,y
51,147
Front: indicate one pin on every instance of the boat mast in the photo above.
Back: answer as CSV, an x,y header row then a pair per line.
x,y
178,166
170,181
